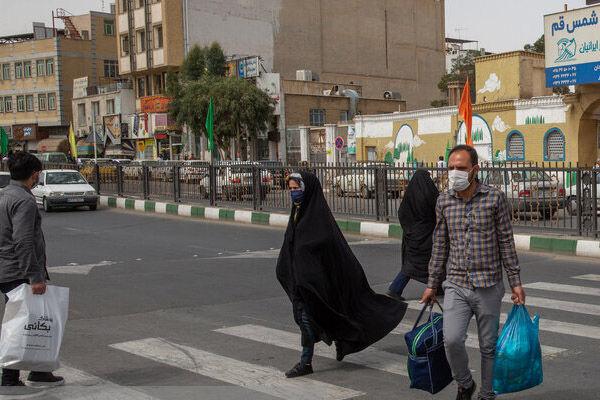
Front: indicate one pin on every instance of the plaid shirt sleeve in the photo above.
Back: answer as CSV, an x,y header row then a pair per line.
x,y
506,243
441,246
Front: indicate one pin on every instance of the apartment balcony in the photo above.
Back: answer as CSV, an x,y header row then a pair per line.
x,y
156,13
123,23
141,61
158,57
139,18
124,65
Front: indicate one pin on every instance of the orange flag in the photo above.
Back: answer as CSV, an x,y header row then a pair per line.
x,y
465,110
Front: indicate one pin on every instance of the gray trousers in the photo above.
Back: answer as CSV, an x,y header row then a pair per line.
x,y
460,304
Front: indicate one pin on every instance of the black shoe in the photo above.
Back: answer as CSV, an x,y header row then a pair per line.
x,y
394,296
466,394
339,355
44,379
299,370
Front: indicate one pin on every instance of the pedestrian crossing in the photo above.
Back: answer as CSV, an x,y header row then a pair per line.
x,y
254,377
589,277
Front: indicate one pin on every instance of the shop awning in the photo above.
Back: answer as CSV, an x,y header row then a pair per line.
x,y
53,144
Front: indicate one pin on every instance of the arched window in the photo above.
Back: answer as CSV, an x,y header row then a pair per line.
x,y
515,146
554,145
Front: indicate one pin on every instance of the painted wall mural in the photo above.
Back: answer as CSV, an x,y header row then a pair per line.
x,y
540,115
492,84
499,125
401,150
482,137
435,124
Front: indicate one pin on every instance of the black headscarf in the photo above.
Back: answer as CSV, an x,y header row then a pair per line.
x,y
319,272
417,217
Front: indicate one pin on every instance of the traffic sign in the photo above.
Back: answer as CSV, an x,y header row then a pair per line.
x,y
339,142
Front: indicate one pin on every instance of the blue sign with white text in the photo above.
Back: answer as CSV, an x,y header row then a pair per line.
x,y
567,75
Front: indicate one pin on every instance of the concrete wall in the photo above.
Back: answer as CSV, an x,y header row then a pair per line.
x,y
340,40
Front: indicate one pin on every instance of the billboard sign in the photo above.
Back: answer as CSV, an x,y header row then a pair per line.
x,y
572,44
271,84
112,128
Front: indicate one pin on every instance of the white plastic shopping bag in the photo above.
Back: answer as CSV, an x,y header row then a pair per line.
x,y
33,327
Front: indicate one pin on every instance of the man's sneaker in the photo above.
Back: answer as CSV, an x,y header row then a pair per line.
x,y
466,394
44,379
299,370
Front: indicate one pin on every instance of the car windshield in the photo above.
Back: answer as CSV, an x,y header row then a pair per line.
x,y
4,180
64,178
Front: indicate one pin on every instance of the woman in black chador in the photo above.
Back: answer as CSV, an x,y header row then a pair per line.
x,y
417,217
331,298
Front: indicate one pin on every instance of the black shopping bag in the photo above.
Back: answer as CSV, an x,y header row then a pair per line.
x,y
428,367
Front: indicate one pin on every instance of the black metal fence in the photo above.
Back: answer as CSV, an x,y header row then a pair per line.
x,y
550,197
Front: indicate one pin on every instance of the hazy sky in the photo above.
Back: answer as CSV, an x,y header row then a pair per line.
x,y
498,25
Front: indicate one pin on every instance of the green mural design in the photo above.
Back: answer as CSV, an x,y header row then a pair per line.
x,y
389,157
402,148
478,135
537,120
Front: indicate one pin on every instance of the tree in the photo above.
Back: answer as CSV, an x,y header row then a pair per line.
x,y
215,60
463,67
241,109
537,47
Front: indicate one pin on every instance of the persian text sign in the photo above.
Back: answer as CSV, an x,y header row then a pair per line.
x,y
155,104
572,40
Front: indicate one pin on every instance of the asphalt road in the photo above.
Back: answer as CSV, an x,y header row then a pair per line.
x,y
168,308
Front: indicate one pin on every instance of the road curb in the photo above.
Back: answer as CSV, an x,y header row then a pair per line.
x,y
546,244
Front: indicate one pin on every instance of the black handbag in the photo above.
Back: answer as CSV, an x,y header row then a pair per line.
x,y
428,368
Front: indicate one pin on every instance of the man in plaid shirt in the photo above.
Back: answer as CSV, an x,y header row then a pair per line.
x,y
473,240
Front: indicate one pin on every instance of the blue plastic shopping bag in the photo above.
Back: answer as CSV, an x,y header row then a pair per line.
x,y
518,364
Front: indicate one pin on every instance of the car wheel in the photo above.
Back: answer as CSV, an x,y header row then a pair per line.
x,y
572,206
94,207
365,193
47,206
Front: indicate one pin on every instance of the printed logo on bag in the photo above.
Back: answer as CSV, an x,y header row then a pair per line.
x,y
42,324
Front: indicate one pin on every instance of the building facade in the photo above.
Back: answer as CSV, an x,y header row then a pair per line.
x,y
517,119
37,72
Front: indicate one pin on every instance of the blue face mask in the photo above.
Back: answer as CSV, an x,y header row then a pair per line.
x,y
297,196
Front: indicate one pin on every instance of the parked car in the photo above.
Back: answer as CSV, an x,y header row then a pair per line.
x,y
527,191
53,158
4,179
572,205
361,182
193,171
234,181
64,189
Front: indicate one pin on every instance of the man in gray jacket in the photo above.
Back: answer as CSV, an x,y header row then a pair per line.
x,y
22,247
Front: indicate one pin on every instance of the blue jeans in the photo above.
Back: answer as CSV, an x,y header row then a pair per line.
x,y
397,287
308,350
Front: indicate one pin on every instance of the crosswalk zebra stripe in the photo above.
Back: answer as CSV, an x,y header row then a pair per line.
x,y
80,385
569,306
472,341
589,277
566,328
255,377
370,357
557,287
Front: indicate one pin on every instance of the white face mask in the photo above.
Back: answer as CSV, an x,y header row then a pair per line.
x,y
458,180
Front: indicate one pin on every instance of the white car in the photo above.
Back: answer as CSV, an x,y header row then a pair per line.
x,y
64,189
361,182
4,179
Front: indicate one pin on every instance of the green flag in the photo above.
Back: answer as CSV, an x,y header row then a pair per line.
x,y
3,142
448,149
210,125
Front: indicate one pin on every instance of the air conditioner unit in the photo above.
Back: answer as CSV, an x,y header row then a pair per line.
x,y
304,75
389,95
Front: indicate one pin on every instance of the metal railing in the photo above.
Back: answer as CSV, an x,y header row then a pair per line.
x,y
549,197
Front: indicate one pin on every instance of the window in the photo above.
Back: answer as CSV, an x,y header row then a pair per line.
x,y
111,69
81,119
40,67
49,67
95,109
20,103
110,106
140,3
124,45
158,84
317,117
109,27
6,71
158,37
42,102
18,70
8,104
123,4
515,146
51,101
371,153
554,145
1,105
141,41
343,116
29,102
141,85
27,69
85,35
